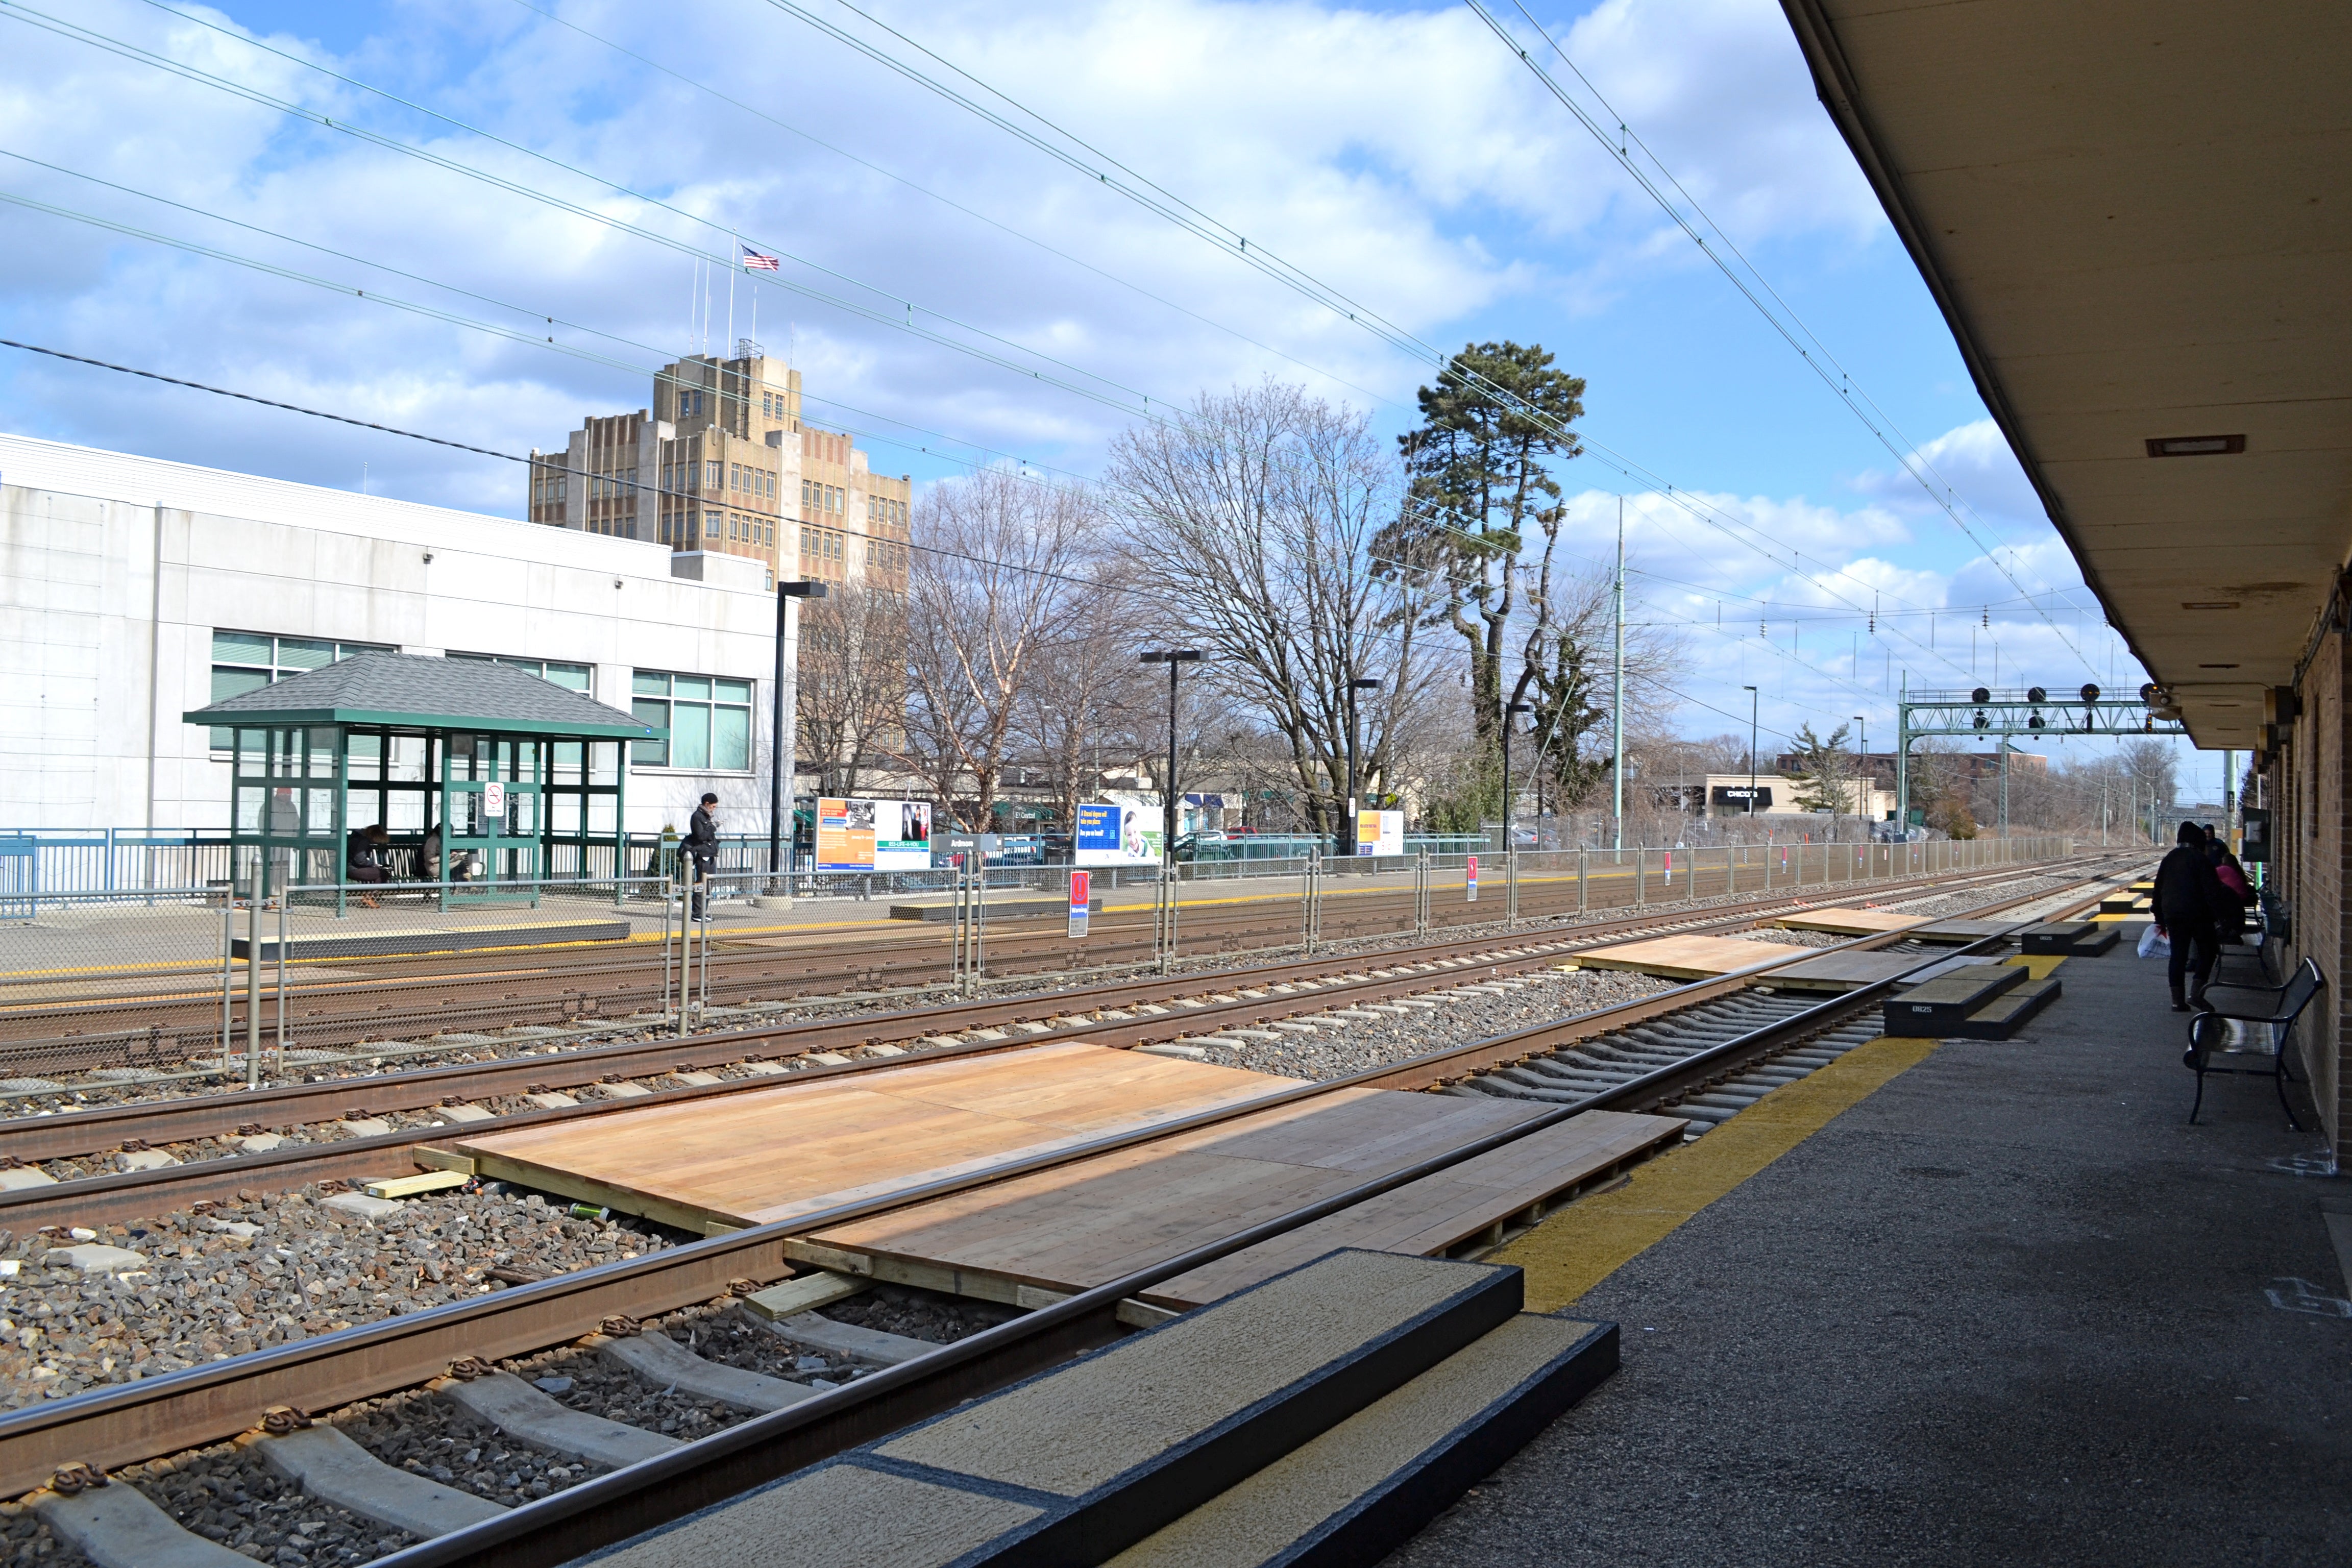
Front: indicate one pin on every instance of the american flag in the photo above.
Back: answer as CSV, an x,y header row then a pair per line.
x,y
756,261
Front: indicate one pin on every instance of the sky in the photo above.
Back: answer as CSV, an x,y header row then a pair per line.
x,y
484,220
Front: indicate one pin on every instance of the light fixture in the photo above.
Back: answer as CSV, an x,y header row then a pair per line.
x,y
1980,695
2217,666
2208,603
2194,446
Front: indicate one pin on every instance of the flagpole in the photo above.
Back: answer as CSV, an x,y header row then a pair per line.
x,y
734,265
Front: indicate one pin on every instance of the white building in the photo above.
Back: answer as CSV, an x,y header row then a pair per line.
x,y
135,590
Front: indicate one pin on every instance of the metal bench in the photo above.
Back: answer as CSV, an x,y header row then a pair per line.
x,y
2276,1005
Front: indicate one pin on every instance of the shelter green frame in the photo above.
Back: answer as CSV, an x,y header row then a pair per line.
x,y
294,787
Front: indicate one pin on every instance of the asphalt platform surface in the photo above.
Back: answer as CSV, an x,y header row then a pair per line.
x,y
2008,1309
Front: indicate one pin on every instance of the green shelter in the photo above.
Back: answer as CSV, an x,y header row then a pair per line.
x,y
504,777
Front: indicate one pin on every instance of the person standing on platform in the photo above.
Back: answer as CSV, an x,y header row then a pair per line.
x,y
2189,903
2230,923
702,847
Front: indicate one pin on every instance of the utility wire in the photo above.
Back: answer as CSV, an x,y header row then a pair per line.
x,y
1223,236
1841,384
950,201
892,318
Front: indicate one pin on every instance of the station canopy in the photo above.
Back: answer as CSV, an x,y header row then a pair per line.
x,y
483,775
2135,220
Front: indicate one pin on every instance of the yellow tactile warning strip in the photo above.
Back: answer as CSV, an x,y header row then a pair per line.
x,y
1588,1241
2038,964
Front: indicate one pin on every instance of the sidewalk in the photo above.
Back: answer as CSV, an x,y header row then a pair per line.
x,y
2009,1308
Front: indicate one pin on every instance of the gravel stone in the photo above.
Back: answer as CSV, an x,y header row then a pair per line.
x,y
206,1292
1336,1049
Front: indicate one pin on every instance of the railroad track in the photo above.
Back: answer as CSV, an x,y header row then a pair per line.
x,y
178,1019
207,1148
1713,1041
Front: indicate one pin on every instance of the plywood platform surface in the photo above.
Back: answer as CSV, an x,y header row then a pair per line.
x,y
1844,970
1683,957
769,1154
1094,1220
1849,922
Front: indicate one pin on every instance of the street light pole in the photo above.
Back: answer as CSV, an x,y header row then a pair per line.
x,y
1751,751
782,759
1352,840
1171,658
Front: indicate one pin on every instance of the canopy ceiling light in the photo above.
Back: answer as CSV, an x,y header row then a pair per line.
x,y
2194,446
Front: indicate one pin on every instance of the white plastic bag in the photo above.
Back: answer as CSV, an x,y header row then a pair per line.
x,y
2153,943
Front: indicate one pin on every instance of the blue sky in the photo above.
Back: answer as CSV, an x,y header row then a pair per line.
x,y
1398,154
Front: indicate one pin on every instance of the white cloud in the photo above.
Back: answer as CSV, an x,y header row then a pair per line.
x,y
1406,156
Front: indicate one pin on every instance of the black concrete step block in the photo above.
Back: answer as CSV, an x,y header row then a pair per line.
x,y
1077,1464
1362,1488
2071,939
2008,1013
1941,1004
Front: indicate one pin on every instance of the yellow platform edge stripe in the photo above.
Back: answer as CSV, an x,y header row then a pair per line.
x,y
1573,1251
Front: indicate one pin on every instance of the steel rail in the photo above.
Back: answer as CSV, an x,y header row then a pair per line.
x,y
626,1502
128,1422
139,1194
191,1117
558,986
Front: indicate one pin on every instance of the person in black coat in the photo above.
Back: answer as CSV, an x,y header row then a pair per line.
x,y
702,847
2190,904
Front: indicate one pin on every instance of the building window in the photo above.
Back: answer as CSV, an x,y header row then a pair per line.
x,y
571,677
710,525
712,474
246,661
709,720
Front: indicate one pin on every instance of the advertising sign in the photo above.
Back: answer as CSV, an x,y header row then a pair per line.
x,y
1470,880
873,835
1081,886
1380,833
1110,835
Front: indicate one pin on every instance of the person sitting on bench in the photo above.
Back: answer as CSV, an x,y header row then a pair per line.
x,y
368,858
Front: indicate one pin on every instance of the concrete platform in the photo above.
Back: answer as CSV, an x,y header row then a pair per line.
x,y
415,940
2008,1309
1026,908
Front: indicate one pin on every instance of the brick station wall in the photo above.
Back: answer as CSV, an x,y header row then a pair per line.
x,y
2316,852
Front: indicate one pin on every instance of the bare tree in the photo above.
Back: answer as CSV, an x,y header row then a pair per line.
x,y
987,593
1086,700
1252,517
853,681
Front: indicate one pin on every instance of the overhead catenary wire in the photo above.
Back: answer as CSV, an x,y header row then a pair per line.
x,y
1157,199
1678,499
1260,259
900,315
1876,420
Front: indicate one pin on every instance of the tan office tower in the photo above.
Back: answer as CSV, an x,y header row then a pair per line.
x,y
723,462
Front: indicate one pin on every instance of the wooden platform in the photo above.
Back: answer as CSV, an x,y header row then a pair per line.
x,y
1961,932
1684,957
1084,1223
1849,923
1842,970
768,1154
424,939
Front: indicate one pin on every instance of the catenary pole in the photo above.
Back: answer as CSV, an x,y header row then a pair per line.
x,y
1617,705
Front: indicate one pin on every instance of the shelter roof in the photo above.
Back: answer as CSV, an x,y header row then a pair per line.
x,y
2133,218
416,692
